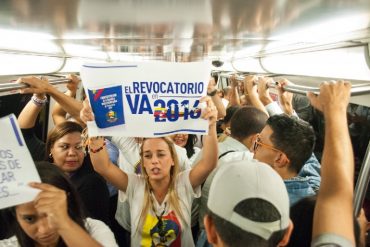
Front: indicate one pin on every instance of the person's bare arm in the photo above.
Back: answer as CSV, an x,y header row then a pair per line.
x,y
216,98
234,95
334,206
58,112
253,94
285,98
99,155
208,162
27,117
37,85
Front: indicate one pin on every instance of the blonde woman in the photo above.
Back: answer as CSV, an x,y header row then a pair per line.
x,y
160,198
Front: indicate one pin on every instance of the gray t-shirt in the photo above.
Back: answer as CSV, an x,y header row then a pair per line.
x,y
331,240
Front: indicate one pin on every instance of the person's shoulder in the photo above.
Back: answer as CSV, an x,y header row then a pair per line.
x,y
180,151
100,232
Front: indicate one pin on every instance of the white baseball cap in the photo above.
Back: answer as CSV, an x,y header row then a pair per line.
x,y
237,181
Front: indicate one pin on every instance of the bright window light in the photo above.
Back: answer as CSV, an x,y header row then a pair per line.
x,y
85,51
329,29
28,41
346,63
14,64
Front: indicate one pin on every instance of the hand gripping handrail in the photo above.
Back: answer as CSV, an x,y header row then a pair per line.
x,y
359,89
6,87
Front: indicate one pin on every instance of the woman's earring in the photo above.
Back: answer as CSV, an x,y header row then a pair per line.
x,y
50,155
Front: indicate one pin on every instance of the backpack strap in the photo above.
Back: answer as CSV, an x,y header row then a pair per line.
x,y
222,155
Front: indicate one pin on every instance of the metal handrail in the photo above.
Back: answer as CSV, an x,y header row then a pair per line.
x,y
362,183
6,87
356,90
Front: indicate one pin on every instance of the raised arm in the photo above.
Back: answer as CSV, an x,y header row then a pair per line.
x,y
253,94
334,207
285,98
204,167
212,92
234,95
37,85
27,117
58,112
99,155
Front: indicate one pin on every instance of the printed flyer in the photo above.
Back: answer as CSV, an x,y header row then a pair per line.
x,y
17,168
146,99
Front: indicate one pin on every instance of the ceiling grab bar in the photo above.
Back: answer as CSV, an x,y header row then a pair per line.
x,y
356,90
362,183
6,87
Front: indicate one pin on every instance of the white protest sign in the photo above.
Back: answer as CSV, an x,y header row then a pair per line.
x,y
146,99
17,168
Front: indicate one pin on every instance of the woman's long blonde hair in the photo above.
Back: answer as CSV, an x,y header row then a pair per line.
x,y
174,200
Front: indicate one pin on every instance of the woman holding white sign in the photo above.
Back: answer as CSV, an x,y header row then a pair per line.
x,y
160,199
55,216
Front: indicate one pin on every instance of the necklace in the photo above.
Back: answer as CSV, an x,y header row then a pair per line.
x,y
161,224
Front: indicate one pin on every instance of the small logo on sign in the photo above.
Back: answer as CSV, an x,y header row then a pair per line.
x,y
111,116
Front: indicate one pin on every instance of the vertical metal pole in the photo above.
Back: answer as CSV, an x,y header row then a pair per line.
x,y
362,183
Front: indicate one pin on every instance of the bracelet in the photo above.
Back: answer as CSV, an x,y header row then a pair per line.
x,y
94,151
213,93
39,102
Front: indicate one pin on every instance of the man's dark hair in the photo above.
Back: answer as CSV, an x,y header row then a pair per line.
x,y
247,121
294,137
230,112
255,209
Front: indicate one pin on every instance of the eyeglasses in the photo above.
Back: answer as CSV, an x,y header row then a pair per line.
x,y
258,143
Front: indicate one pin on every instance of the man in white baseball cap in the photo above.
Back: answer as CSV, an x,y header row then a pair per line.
x,y
248,205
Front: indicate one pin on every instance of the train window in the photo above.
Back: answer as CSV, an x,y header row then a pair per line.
x,y
14,103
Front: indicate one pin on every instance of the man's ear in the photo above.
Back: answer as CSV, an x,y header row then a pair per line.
x,y
249,141
287,234
210,228
281,160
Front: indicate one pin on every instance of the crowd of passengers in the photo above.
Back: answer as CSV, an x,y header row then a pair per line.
x,y
254,180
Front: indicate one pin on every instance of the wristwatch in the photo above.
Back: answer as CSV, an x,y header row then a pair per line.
x,y
213,93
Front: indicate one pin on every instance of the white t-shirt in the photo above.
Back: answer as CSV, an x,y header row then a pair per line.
x,y
170,231
96,229
129,162
192,158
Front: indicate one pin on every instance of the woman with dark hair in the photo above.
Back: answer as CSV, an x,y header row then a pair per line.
x,y
64,149
55,217
187,141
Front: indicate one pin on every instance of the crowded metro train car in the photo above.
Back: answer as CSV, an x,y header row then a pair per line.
x,y
184,123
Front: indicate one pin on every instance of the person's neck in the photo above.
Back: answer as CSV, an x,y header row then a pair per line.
x,y
287,174
160,188
248,141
